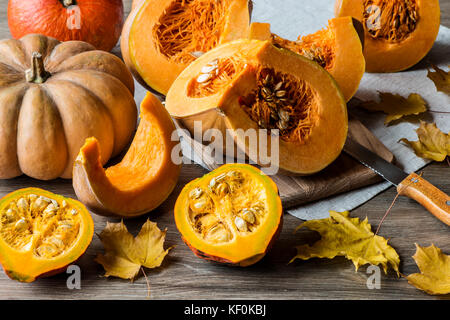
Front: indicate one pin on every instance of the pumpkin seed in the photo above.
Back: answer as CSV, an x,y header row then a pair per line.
x,y
21,225
248,215
209,69
22,204
195,193
240,223
204,77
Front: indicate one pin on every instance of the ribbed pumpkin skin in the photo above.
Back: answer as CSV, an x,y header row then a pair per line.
x,y
43,125
101,21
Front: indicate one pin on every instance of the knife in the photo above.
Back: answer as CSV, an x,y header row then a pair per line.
x,y
411,185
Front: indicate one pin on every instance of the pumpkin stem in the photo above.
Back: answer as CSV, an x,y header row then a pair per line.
x,y
37,73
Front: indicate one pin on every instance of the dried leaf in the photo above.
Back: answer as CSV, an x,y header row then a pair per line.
x,y
440,78
342,235
125,255
434,276
432,144
395,106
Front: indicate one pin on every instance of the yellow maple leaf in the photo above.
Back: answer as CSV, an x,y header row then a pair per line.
x,y
125,255
395,106
432,144
435,270
342,235
440,78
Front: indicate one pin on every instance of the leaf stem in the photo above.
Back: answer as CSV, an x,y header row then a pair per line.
x,y
148,283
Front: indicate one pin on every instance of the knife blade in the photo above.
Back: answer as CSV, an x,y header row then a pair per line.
x,y
411,185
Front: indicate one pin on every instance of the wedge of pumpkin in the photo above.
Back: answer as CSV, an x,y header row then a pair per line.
x,y
231,215
247,85
144,178
398,33
337,48
161,37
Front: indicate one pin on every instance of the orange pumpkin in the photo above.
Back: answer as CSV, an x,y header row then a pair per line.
x,y
338,49
96,22
55,95
143,179
161,37
41,233
398,33
246,85
231,215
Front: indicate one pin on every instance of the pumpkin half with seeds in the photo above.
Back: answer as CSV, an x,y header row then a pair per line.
x,y
398,33
337,48
54,95
41,233
247,85
161,37
231,215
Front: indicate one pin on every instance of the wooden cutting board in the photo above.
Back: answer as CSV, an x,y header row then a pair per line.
x,y
344,174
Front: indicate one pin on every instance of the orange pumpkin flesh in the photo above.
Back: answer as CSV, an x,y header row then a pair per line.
x,y
54,95
157,55
142,180
41,233
231,215
398,33
96,22
337,48
233,99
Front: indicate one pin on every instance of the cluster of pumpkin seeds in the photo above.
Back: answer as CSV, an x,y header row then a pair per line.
x,y
316,54
208,72
217,212
39,223
397,18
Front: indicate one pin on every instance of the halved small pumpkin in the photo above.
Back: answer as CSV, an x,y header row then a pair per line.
x,y
338,49
247,85
398,33
144,178
41,233
161,37
231,215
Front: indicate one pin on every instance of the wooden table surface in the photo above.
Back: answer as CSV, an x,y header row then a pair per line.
x,y
184,276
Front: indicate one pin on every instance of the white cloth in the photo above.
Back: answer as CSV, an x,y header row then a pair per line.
x,y
289,18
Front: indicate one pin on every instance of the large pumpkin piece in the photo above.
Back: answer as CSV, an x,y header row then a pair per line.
x,y
161,37
398,33
55,95
142,180
251,84
338,49
231,215
96,22
41,233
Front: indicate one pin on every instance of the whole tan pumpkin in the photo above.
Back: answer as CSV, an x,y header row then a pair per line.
x,y
54,95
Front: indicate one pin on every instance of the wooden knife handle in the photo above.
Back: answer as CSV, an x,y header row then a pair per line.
x,y
433,199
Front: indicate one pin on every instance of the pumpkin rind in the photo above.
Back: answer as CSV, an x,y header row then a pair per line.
x,y
100,22
245,248
347,64
151,67
385,56
86,93
24,264
326,138
144,178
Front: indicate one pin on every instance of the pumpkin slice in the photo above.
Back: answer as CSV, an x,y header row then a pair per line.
x,y
337,48
161,37
142,180
247,85
41,233
398,33
231,215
